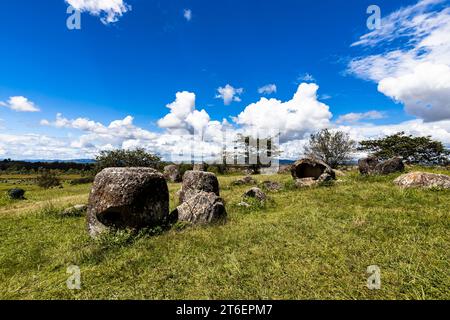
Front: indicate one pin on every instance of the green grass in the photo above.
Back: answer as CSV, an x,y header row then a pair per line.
x,y
303,244
36,197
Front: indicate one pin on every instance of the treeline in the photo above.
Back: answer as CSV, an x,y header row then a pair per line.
x,y
333,147
9,165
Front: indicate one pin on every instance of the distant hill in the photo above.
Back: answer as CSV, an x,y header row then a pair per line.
x,y
76,164
82,161
285,161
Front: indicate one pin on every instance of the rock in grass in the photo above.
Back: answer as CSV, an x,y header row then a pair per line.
x,y
339,173
256,193
78,210
16,194
390,166
200,166
306,183
284,169
195,181
172,173
244,181
367,165
310,168
271,186
201,209
423,180
127,198
243,204
372,165
325,178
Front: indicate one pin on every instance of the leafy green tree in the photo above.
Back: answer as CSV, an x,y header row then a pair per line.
x,y
126,158
414,150
332,147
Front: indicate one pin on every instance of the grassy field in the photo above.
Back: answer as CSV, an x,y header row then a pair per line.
x,y
304,244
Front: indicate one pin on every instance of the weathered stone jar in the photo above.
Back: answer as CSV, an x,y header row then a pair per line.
x,y
310,168
131,198
195,181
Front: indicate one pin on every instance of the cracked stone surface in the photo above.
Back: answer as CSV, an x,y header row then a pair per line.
x,y
203,208
373,165
132,198
423,180
195,181
172,173
256,193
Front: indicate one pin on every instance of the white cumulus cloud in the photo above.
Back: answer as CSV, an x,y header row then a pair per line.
x,y
425,91
268,89
229,94
20,104
354,117
293,118
183,117
116,130
108,10
415,69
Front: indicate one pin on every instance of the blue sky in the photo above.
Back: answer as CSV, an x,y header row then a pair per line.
x,y
134,67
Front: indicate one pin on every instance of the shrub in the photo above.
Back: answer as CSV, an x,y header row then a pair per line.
x,y
47,180
127,158
213,169
84,180
183,167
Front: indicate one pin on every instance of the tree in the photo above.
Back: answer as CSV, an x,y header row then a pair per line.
x,y
332,147
254,153
126,158
414,150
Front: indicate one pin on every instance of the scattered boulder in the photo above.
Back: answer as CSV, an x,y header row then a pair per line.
x,y
367,165
325,178
200,167
311,172
243,204
200,209
310,168
423,180
390,166
339,173
249,180
255,193
373,165
195,181
284,168
16,194
131,198
306,183
244,181
172,173
271,185
77,210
